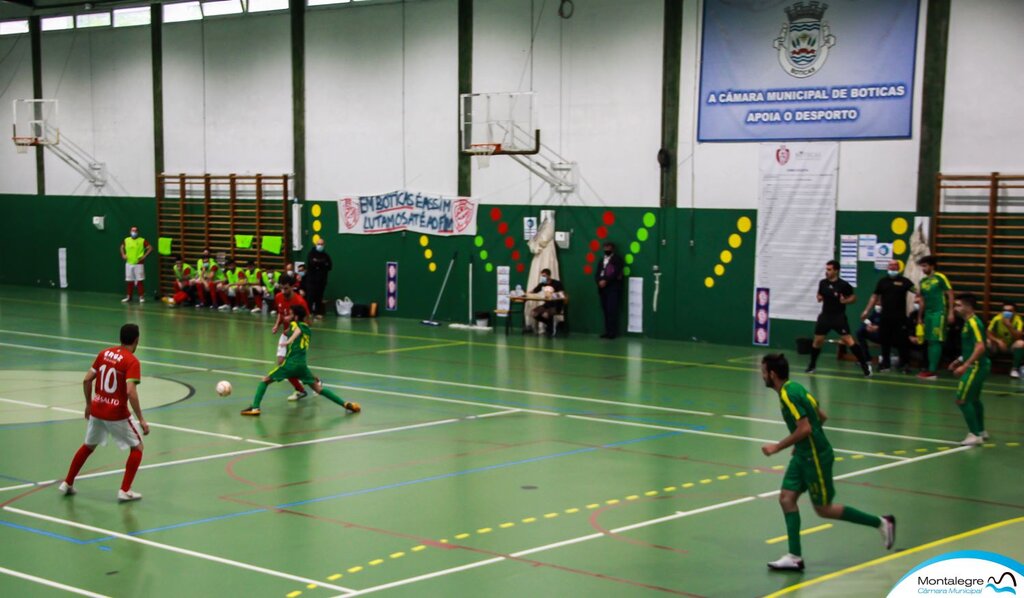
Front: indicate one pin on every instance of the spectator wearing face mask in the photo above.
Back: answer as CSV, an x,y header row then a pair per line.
x,y
134,250
318,264
1006,335
552,290
608,275
891,295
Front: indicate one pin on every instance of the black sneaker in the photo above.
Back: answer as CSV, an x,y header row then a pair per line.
x,y
810,369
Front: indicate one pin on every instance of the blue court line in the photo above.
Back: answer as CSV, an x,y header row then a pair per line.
x,y
390,486
41,532
14,479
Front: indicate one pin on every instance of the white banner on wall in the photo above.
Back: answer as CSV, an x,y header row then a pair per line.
x,y
796,224
407,210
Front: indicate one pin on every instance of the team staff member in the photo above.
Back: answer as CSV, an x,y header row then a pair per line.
x,y
891,295
608,276
936,298
318,264
134,250
834,294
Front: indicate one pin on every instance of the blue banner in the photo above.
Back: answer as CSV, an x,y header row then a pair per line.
x,y
784,70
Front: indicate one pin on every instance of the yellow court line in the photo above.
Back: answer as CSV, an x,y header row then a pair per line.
x,y
894,556
803,532
434,346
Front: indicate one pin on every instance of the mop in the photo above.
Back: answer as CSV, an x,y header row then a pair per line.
x,y
470,325
432,321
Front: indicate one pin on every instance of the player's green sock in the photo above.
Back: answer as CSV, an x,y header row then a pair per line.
x,y
860,517
971,417
793,532
1018,358
260,391
979,414
329,394
934,354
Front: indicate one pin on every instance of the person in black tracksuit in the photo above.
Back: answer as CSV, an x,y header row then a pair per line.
x,y
891,294
608,275
318,264
835,294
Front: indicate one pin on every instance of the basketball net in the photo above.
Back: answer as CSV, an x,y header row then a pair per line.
x,y
483,152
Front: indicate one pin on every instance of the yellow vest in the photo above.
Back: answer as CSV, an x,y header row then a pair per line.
x,y
134,249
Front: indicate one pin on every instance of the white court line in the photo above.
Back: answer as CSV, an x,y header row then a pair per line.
x,y
850,430
65,352
52,584
185,551
152,424
100,474
721,435
647,523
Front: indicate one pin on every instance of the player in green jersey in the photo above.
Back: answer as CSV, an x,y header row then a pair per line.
x,y
936,298
810,467
972,367
294,366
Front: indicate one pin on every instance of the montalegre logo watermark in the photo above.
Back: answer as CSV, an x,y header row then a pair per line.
x,y
963,573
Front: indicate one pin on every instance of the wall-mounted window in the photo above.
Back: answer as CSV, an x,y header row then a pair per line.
x,y
97,19
182,11
265,5
222,7
57,23
131,17
13,27
326,2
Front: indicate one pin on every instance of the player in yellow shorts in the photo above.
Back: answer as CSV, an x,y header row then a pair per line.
x,y
1006,335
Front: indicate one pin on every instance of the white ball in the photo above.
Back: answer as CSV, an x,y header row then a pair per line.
x,y
223,388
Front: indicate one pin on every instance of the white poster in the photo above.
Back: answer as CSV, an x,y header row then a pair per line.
x,y
503,290
796,224
848,259
866,248
407,210
635,305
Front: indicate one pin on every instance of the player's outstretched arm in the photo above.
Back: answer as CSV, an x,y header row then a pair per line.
x,y
133,400
803,430
295,334
87,389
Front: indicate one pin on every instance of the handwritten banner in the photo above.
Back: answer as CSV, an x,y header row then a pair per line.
x,y
407,210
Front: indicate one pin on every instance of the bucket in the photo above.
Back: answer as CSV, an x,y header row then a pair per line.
x,y
483,318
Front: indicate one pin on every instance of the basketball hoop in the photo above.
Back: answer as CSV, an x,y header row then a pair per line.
x,y
483,152
21,144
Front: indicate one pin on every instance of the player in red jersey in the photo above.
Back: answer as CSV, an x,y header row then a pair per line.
x,y
284,301
110,385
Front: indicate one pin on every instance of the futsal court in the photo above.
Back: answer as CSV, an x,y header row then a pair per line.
x,y
480,465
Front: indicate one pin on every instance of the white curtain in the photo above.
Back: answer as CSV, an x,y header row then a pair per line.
x,y
542,246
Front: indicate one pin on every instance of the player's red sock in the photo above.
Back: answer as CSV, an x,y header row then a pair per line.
x,y
128,287
201,292
296,384
142,289
224,298
76,464
258,297
130,468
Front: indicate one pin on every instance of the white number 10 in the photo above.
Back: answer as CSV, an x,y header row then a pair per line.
x,y
108,379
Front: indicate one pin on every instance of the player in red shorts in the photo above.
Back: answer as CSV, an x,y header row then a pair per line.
x,y
283,303
116,374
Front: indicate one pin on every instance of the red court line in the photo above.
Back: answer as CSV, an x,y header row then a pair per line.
x,y
935,494
621,538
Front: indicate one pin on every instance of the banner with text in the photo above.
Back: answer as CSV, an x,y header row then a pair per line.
x,y
407,210
807,70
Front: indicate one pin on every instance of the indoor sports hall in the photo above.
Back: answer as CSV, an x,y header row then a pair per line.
x,y
487,298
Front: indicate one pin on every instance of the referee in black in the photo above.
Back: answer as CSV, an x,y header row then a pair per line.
x,y
834,294
891,296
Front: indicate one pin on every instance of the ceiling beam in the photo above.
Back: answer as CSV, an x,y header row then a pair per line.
x,y
26,3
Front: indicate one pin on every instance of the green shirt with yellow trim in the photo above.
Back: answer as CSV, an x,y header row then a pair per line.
x,y
796,404
1001,329
972,334
297,350
933,289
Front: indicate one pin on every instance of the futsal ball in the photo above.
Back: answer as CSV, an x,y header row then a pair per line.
x,y
223,388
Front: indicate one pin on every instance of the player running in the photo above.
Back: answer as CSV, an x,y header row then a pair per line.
x,y
294,366
284,301
810,467
116,374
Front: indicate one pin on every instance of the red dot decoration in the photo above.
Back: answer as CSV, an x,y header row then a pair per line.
x,y
502,228
590,258
588,269
594,245
510,242
602,232
515,254
609,218
520,267
495,214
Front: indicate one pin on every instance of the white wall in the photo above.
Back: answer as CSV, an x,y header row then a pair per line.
x,y
17,171
983,130
873,175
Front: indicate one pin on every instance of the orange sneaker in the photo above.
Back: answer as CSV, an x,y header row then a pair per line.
x,y
353,407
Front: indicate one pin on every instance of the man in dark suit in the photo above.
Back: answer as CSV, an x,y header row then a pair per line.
x,y
608,275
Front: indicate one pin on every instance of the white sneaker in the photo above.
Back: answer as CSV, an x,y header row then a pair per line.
x,y
126,300
66,490
273,312
255,310
130,495
142,299
224,308
1015,373
295,396
237,308
984,435
971,440
888,531
788,562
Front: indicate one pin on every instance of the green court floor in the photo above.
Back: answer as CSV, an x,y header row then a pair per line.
x,y
481,465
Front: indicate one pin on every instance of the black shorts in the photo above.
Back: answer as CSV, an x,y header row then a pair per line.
x,y
826,322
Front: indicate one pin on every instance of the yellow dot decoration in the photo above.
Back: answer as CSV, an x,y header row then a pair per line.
x,y
317,225
429,253
899,225
316,211
316,239
424,240
735,241
709,282
719,269
899,247
743,224
902,264
725,256
433,267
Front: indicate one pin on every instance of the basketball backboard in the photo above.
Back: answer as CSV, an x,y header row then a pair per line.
x,y
498,123
35,122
